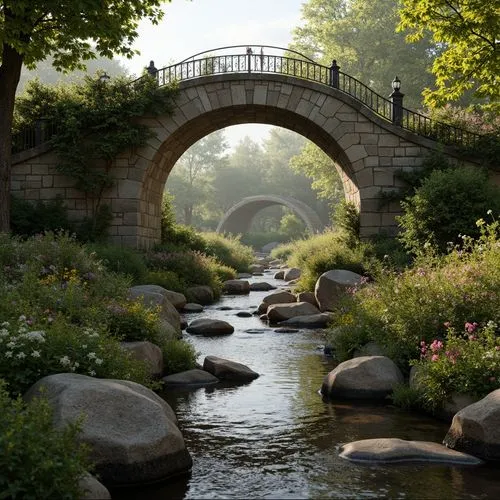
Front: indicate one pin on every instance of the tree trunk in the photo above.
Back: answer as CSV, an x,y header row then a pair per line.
x,y
10,71
188,214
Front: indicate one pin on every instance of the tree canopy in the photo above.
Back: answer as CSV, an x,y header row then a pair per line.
x,y
468,31
69,31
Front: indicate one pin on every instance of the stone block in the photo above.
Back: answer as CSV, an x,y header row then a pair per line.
x,y
129,189
365,177
330,107
365,127
383,177
388,140
356,152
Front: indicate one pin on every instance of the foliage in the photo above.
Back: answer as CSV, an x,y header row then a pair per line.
x,y
95,227
29,218
467,362
35,348
175,236
122,260
166,279
178,356
260,239
361,35
346,218
36,460
401,309
292,226
445,206
228,250
468,32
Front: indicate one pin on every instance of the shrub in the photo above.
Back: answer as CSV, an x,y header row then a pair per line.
x,y
228,250
445,206
95,228
36,460
178,356
179,236
121,260
258,240
31,351
166,279
467,363
346,218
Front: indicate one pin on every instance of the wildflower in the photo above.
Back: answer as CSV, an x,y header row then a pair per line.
x,y
35,354
98,361
5,324
91,355
470,327
20,355
447,324
11,344
39,336
436,346
8,354
92,373
65,361
489,212
435,357
22,318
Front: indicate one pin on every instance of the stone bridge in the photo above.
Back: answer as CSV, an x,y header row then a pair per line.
x,y
238,219
366,147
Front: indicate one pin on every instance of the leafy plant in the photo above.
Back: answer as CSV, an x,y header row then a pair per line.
x,y
36,460
228,250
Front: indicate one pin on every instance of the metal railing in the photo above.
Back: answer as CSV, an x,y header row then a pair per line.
x,y
261,59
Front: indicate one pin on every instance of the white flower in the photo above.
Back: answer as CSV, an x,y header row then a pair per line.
x,y
92,373
76,365
11,344
91,355
22,318
38,336
84,346
35,354
8,354
5,324
20,355
4,332
98,361
65,361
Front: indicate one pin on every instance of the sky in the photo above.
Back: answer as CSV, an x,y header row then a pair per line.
x,y
193,26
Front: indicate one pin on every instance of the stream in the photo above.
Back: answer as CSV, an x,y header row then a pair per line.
x,y
277,438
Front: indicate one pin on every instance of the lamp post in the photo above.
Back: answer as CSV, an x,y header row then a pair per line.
x,y
397,102
104,77
334,74
249,57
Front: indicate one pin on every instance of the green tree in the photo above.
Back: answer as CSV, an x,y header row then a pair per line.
x,y
468,30
361,35
70,32
190,178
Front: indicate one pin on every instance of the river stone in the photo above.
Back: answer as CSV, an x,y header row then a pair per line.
x,y
148,352
278,297
307,297
225,369
275,263
279,275
200,294
244,276
292,273
93,489
366,377
283,329
195,377
281,312
261,286
394,450
319,320
236,287
332,286
131,432
168,313
209,327
256,268
244,314
476,428
191,307
175,298
257,330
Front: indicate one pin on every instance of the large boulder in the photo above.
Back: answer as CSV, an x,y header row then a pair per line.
x,y
256,268
476,428
93,489
307,297
191,307
366,377
261,286
279,275
131,432
278,297
200,294
175,298
282,312
292,273
319,320
394,450
209,327
148,352
333,285
153,299
236,287
225,369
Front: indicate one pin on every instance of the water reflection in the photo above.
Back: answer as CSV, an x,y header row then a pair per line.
x,y
276,437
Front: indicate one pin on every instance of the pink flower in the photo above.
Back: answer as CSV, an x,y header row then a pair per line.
x,y
447,324
435,357
470,327
436,346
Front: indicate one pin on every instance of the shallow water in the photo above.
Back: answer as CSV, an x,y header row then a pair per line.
x,y
277,438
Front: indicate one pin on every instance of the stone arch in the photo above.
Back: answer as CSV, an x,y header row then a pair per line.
x,y
238,218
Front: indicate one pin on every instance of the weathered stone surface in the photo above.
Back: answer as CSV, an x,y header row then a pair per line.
x,y
244,314
319,320
236,287
209,327
292,273
332,285
256,268
148,352
366,377
175,298
244,276
132,433
201,294
168,313
281,312
93,489
393,450
275,263
476,428
225,369
195,377
278,297
279,275
283,329
307,297
261,286
369,349
191,307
